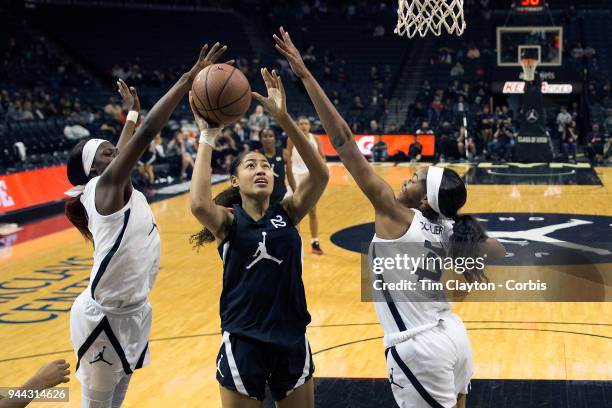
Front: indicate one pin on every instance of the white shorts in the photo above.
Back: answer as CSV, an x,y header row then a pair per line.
x,y
430,369
109,344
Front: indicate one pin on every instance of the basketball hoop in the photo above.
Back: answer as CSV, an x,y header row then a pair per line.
x,y
529,66
421,16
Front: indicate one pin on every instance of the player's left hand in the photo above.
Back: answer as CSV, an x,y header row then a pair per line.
x,y
276,102
208,57
285,46
131,102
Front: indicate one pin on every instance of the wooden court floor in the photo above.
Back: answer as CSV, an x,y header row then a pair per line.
x,y
510,340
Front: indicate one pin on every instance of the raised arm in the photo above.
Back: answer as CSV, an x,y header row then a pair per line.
x,y
115,183
311,189
216,218
131,103
374,187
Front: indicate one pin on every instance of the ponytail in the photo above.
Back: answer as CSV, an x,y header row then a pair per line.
x,y
74,208
467,235
77,215
226,198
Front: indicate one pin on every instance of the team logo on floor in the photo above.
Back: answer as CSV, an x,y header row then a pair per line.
x,y
529,238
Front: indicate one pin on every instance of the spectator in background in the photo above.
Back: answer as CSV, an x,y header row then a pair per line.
x,y
225,150
457,70
373,127
74,131
415,151
113,109
258,121
500,147
26,111
473,52
418,112
145,164
379,150
392,128
461,106
564,118
570,142
446,143
109,130
177,149
424,129
357,105
241,136
595,146
466,146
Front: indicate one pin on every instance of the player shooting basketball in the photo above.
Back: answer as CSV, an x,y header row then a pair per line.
x,y
263,303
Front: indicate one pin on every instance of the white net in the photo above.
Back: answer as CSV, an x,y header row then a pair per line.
x,y
529,66
423,16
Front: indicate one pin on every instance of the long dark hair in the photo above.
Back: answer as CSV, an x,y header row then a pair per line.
x,y
468,233
74,209
226,198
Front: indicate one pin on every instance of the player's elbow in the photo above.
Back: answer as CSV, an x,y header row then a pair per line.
x,y
340,133
200,207
324,176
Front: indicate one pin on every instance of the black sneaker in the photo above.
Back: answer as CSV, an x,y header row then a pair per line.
x,y
316,248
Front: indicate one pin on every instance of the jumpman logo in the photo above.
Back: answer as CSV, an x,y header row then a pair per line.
x,y
391,380
219,366
262,253
100,357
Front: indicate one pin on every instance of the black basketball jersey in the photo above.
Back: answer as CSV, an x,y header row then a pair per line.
x,y
278,169
263,294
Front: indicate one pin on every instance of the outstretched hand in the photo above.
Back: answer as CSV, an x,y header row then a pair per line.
x,y
285,46
208,57
131,102
276,102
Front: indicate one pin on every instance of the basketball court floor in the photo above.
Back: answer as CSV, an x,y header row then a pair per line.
x,y
40,276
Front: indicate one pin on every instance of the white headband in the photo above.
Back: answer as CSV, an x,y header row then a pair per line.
x,y
434,179
87,157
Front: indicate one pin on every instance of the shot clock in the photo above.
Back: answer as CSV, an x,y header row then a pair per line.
x,y
530,6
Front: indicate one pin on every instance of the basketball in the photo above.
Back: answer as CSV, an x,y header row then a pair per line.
x,y
221,93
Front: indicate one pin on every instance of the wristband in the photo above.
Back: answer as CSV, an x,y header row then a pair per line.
x,y
208,136
132,116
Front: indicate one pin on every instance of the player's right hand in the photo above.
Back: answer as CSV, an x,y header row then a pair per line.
x,y
50,375
201,123
285,46
208,58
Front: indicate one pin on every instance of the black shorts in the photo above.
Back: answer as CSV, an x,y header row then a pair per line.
x,y
245,365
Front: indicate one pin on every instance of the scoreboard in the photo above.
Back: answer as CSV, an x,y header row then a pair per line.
x,y
530,6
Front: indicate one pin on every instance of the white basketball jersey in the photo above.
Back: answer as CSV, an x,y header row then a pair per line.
x,y
399,310
297,163
127,250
